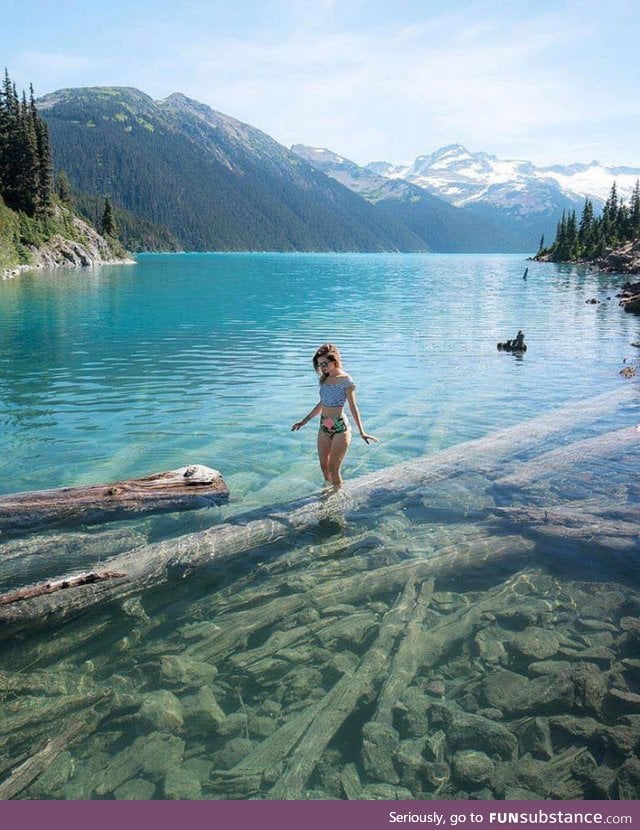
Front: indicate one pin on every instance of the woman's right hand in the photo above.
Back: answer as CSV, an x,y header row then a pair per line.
x,y
298,425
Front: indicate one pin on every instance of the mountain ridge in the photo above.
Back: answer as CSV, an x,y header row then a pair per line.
x,y
212,181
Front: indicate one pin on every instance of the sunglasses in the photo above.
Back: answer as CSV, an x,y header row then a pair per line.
x,y
323,364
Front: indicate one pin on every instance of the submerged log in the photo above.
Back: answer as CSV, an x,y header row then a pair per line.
x,y
610,445
182,489
27,771
151,565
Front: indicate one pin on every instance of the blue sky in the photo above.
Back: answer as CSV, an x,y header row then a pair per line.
x,y
553,82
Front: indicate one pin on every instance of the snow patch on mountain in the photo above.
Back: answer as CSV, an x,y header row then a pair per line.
x,y
465,178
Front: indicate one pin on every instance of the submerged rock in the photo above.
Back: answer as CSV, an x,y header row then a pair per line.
x,y
182,785
472,768
535,738
151,755
379,744
473,731
187,673
138,789
627,783
533,644
162,711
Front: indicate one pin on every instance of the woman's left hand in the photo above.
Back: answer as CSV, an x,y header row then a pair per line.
x,y
366,438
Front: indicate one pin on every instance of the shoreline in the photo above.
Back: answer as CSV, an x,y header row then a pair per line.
x,y
17,270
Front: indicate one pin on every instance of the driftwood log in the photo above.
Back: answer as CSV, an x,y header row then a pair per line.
x,y
182,489
151,565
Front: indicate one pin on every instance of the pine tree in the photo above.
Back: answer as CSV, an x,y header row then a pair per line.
x,y
63,188
25,153
586,229
610,216
108,220
541,245
634,212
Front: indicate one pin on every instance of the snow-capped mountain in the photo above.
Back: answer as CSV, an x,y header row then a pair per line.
x,y
513,191
443,226
463,177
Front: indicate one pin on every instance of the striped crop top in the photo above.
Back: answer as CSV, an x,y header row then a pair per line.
x,y
335,394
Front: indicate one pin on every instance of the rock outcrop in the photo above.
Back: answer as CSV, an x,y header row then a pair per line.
x,y
630,297
622,260
83,247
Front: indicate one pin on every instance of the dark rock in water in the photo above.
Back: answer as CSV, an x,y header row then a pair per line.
x,y
533,644
232,753
181,785
627,783
379,744
535,738
517,619
526,774
475,732
437,773
516,695
515,345
619,702
471,767
482,795
549,667
598,783
412,766
411,714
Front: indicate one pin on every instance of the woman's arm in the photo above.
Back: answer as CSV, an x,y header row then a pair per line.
x,y
299,424
353,406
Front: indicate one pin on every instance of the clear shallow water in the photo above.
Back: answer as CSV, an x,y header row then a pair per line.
x,y
119,372
122,371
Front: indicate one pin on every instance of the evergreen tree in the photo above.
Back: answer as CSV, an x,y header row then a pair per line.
x,y
25,153
63,188
610,216
541,245
108,219
586,229
634,212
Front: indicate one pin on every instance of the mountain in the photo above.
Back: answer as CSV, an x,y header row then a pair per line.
x,y
518,194
442,226
210,181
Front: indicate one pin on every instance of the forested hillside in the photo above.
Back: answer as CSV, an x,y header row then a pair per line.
x,y
32,217
211,181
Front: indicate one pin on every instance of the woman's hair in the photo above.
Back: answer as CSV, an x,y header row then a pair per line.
x,y
327,352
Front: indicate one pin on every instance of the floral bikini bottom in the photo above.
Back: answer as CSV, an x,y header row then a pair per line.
x,y
333,426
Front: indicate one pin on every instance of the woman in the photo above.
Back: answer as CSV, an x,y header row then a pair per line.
x,y
334,435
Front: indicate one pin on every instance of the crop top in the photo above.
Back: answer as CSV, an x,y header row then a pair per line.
x,y
335,394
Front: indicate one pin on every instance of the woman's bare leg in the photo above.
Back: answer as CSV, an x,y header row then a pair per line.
x,y
324,451
339,446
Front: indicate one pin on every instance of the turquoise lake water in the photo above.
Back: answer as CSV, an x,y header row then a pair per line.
x,y
199,688
123,371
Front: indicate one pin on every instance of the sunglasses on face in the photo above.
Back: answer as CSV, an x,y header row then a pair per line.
x,y
323,364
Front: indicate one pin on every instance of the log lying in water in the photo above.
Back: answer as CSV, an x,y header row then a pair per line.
x,y
576,523
150,566
610,445
187,487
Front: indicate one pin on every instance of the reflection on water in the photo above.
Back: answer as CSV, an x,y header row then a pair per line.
x,y
467,625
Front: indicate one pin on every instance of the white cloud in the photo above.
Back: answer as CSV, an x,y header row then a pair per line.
x,y
517,81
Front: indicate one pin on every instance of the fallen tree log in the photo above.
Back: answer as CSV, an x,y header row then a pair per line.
x,y
575,523
151,565
610,445
27,772
186,488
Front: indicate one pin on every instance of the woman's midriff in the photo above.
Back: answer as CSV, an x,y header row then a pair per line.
x,y
332,411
